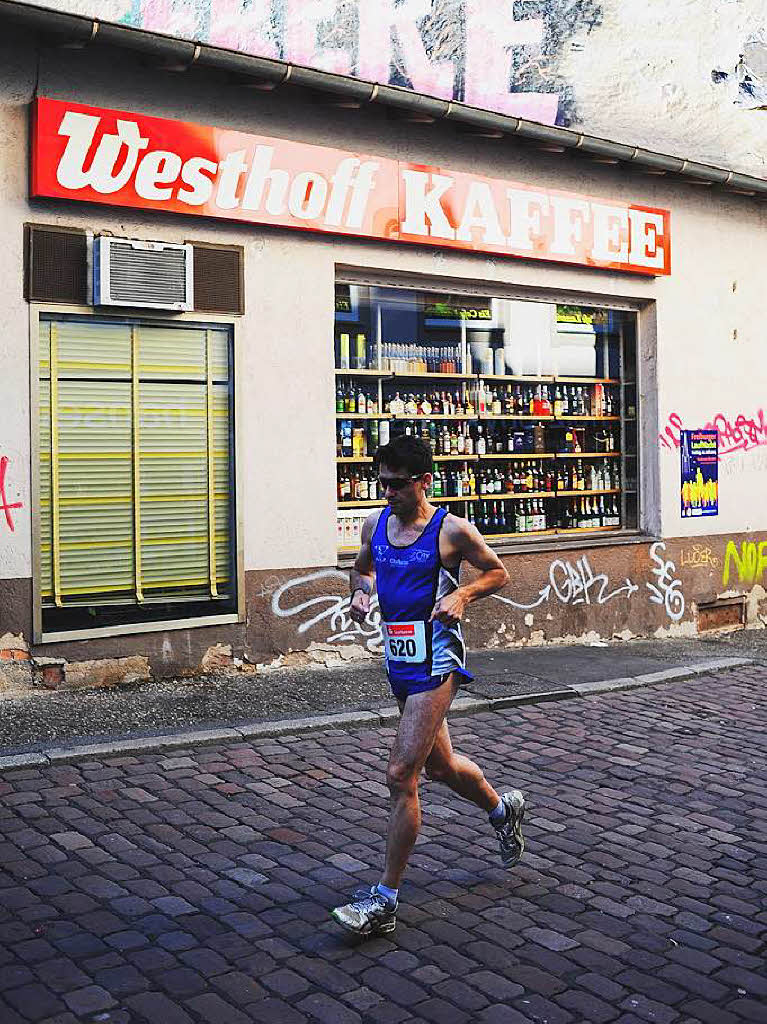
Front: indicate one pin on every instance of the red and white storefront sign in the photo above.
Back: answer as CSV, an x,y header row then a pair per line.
x,y
151,163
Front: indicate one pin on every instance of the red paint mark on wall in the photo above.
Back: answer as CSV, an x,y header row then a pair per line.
x,y
739,435
5,506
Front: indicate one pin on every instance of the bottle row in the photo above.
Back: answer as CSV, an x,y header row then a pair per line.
x,y
522,477
534,515
355,352
544,399
361,484
398,357
519,400
363,440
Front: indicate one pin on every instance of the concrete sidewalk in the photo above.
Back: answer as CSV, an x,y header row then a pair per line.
x,y
66,725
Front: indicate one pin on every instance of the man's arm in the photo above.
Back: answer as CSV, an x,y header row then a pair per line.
x,y
362,575
464,542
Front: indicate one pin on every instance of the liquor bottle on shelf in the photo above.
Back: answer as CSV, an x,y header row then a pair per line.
x,y
359,443
359,358
373,436
481,442
344,352
340,398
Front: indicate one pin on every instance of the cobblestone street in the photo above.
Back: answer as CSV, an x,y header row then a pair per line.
x,y
197,887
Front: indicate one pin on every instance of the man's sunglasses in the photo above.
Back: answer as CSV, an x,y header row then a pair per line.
x,y
397,483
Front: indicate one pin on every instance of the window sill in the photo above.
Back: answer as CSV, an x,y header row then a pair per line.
x,y
145,627
551,544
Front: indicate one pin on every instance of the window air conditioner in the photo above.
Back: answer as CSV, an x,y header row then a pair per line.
x,y
129,272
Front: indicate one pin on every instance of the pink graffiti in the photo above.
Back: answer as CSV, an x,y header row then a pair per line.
x,y
316,33
738,435
5,505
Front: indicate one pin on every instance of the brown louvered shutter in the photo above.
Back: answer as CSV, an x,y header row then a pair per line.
x,y
57,265
218,279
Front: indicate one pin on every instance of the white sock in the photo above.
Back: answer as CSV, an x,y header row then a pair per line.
x,y
389,894
498,815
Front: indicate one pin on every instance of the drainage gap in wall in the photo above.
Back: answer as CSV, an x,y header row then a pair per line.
x,y
727,613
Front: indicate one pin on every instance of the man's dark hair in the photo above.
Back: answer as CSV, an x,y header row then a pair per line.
x,y
407,452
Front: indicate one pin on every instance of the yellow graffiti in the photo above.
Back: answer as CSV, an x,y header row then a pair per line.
x,y
750,562
697,557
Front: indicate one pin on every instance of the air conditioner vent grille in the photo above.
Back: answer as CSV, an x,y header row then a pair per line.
x,y
133,273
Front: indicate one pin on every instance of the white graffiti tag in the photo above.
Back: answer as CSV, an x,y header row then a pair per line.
x,y
667,591
575,584
334,608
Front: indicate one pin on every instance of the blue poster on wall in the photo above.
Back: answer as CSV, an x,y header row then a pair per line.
x,y
699,452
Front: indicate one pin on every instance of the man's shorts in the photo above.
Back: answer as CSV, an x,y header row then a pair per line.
x,y
402,689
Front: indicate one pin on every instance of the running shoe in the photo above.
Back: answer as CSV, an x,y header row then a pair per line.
x,y
509,834
370,914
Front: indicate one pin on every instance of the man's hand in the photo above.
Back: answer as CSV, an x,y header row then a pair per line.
x,y
360,605
449,609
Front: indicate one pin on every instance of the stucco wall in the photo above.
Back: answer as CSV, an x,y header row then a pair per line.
x,y
707,314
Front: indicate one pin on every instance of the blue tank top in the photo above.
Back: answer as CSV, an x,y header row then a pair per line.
x,y
410,579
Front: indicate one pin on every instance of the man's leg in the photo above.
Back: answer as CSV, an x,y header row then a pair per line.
x,y
459,773
423,716
466,779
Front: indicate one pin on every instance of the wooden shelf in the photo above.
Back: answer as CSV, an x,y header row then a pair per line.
x,y
401,375
588,455
586,380
456,458
519,455
531,533
379,503
586,494
594,419
363,416
379,374
431,416
469,497
512,378
587,529
517,495
537,419
350,460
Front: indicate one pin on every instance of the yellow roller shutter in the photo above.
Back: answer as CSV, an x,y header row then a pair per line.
x,y
135,462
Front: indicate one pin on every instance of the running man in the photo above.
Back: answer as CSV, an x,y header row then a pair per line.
x,y
414,551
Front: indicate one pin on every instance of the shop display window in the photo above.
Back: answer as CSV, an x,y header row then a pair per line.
x,y
530,408
136,506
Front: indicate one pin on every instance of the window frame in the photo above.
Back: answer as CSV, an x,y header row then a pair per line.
x,y
644,310
37,312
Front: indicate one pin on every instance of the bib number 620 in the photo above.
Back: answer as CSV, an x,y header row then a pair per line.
x,y
405,641
401,648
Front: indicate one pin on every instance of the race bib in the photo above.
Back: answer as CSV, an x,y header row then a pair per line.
x,y
405,641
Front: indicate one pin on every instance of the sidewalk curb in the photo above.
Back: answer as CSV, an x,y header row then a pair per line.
x,y
386,716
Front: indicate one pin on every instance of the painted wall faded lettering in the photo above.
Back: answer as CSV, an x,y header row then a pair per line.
x,y
685,78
